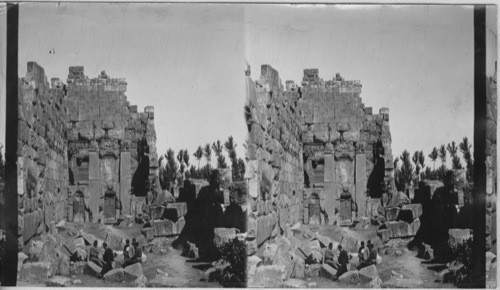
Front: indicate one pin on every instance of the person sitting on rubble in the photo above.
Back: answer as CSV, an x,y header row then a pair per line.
x,y
128,250
330,256
362,252
372,257
343,260
109,258
94,255
136,257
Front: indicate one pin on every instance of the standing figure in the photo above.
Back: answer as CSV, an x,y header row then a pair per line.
x,y
108,258
343,260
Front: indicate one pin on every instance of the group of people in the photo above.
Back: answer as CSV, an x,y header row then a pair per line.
x,y
367,256
132,254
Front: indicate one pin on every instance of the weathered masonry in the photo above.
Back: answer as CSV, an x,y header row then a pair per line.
x,y
316,153
85,153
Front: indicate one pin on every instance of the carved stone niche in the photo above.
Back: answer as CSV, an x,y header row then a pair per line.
x,y
344,149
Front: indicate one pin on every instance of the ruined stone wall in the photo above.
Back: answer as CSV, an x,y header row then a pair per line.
x,y
111,144
491,162
274,153
347,147
42,154
76,141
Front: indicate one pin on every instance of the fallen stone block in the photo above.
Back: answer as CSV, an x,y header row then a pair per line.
x,y
156,211
21,257
175,210
64,265
77,268
395,282
350,277
252,263
148,233
59,281
327,271
140,282
375,283
369,273
294,283
270,276
114,241
165,281
315,258
88,238
133,272
415,208
312,270
315,245
391,213
384,234
92,269
164,228
35,273
299,268
399,229
414,226
324,241
458,236
116,275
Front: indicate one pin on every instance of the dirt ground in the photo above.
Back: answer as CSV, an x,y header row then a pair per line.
x,y
407,264
172,262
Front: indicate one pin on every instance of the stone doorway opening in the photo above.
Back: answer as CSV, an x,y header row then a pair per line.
x,y
314,209
79,207
109,210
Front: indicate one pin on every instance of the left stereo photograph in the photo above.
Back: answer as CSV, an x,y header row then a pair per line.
x,y
123,162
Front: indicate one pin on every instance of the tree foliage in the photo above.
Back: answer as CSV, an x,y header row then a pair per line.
x,y
233,256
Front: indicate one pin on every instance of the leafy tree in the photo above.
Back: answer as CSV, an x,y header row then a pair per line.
x,y
416,159
452,148
180,158
233,256
461,267
170,171
442,154
198,154
221,161
208,152
465,148
240,169
230,146
407,172
434,156
185,158
217,147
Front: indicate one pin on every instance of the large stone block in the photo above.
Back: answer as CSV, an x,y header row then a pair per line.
x,y
327,271
269,276
391,213
399,229
409,212
164,228
175,210
35,273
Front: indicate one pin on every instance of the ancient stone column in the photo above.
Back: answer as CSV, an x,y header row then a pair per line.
x,y
330,188
125,182
360,197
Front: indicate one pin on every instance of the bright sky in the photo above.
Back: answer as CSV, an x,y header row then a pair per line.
x,y
185,60
188,60
416,60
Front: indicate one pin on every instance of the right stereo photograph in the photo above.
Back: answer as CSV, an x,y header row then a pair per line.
x,y
371,151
